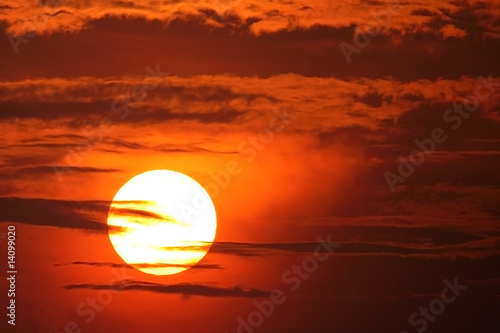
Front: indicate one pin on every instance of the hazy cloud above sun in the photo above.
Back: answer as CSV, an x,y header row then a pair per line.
x,y
358,124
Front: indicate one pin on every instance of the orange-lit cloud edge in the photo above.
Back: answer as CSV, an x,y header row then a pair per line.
x,y
264,16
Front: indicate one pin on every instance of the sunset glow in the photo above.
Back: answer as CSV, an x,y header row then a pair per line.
x,y
250,166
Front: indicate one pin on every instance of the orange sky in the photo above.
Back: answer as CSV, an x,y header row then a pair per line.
x,y
291,115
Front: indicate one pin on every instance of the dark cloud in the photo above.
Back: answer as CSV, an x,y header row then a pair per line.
x,y
49,170
422,12
28,160
185,289
60,144
115,43
366,241
83,215
139,215
111,103
77,114
59,12
125,4
53,110
347,135
222,115
456,169
206,94
140,265
413,97
383,241
373,99
256,249
431,237
378,239
467,156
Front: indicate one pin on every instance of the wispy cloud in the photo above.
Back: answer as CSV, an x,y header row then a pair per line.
x,y
139,265
33,171
360,236
185,289
82,215
139,215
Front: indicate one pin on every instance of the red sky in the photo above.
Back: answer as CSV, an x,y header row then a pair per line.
x,y
314,103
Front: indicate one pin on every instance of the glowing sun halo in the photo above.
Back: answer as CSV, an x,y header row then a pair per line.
x,y
162,222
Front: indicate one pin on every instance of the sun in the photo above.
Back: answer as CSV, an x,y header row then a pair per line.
x,y
162,222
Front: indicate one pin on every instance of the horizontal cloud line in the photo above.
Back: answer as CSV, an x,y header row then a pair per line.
x,y
139,265
185,289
